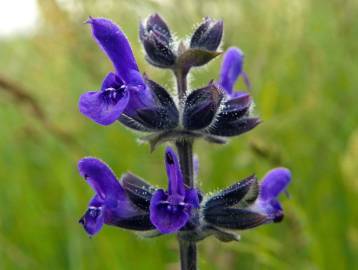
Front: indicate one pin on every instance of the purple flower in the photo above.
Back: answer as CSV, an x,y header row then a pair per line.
x,y
273,183
171,210
123,91
231,70
246,204
234,117
110,205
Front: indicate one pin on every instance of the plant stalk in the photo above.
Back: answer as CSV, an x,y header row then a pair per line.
x,y
187,255
182,84
188,252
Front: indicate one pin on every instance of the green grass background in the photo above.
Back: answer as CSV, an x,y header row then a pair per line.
x,y
302,59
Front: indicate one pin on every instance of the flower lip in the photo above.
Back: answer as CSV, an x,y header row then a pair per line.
x,y
278,217
273,183
122,92
93,220
116,45
175,176
231,68
105,106
100,177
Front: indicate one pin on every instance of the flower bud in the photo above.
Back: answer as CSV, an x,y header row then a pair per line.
x,y
208,35
157,42
201,107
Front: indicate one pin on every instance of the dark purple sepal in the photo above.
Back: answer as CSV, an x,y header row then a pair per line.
x,y
151,119
154,118
234,218
246,189
132,123
163,99
140,222
201,107
139,192
164,115
161,114
233,128
235,108
208,34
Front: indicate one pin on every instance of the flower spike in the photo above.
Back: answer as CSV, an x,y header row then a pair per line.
x,y
214,112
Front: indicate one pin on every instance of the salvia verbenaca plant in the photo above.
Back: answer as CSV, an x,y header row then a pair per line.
x,y
214,112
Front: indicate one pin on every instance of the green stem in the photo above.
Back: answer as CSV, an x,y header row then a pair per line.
x,y
185,152
182,84
188,251
187,255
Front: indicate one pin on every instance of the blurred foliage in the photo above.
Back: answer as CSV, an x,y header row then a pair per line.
x,y
301,57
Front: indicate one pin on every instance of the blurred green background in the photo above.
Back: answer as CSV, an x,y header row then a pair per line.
x,y
302,59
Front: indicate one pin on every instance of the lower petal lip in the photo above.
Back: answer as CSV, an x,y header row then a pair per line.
x,y
278,217
101,111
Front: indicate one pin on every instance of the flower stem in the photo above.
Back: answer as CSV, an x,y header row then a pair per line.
x,y
187,248
181,77
185,152
187,255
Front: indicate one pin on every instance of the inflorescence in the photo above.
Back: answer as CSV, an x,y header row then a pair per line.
x,y
214,112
